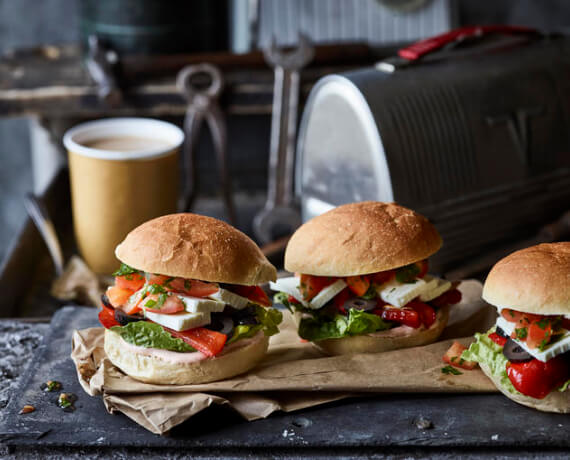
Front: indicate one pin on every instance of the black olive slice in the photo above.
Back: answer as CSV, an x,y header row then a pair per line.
x,y
123,318
360,304
221,322
515,353
106,301
227,325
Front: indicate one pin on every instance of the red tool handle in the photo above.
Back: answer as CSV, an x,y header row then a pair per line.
x,y
429,45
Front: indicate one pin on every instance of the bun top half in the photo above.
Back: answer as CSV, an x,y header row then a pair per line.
x,y
361,238
197,247
533,280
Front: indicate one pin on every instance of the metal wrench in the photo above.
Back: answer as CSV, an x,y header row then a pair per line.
x,y
203,104
279,212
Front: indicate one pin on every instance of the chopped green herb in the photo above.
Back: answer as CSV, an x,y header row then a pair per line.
x,y
161,299
124,269
187,285
450,370
542,323
512,313
168,281
543,345
66,400
521,333
370,293
156,289
407,274
283,299
150,303
453,358
53,385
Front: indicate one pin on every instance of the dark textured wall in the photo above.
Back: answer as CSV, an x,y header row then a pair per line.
x,y
26,23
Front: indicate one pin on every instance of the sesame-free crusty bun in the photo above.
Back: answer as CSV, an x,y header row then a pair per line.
x,y
361,238
532,280
391,339
197,247
555,401
243,356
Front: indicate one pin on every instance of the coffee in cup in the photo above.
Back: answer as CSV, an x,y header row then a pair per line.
x,y
123,172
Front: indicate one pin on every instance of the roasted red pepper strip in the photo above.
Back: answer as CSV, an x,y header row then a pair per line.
x,y
450,297
208,342
499,340
536,379
107,317
253,293
427,313
407,317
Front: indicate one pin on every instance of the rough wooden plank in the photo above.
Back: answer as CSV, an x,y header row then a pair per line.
x,y
52,81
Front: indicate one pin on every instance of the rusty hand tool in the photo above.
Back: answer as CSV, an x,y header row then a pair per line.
x,y
279,211
203,104
101,64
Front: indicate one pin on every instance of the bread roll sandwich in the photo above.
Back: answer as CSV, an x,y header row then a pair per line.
x,y
527,353
186,306
361,282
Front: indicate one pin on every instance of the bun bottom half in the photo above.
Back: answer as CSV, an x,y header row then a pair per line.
x,y
555,401
386,340
150,369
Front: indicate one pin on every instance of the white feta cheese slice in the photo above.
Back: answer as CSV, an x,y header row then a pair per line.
x,y
179,321
320,300
435,287
399,294
289,286
228,297
562,345
201,305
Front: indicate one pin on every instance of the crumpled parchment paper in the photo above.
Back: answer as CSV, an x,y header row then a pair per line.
x,y
294,374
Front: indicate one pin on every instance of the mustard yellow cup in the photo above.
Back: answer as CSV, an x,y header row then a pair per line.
x,y
123,172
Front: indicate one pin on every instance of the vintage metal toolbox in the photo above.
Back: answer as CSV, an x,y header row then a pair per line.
x,y
477,140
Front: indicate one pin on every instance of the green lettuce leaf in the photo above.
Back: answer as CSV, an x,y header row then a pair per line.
x,y
321,327
484,350
150,335
269,318
244,331
283,299
565,386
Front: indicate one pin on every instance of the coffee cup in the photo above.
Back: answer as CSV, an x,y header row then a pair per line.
x,y
123,172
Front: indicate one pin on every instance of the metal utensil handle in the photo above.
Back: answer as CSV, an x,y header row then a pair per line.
x,y
44,224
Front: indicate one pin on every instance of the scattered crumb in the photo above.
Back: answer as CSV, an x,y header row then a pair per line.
x,y
423,423
27,409
495,437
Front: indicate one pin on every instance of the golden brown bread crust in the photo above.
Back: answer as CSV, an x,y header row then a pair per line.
x,y
386,340
150,369
533,280
555,401
197,247
361,238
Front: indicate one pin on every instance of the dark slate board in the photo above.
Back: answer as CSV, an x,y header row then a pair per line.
x,y
469,421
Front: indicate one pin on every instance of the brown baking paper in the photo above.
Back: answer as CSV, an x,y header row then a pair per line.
x,y
294,374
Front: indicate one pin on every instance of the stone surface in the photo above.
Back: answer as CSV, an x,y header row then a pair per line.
x,y
18,342
365,427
